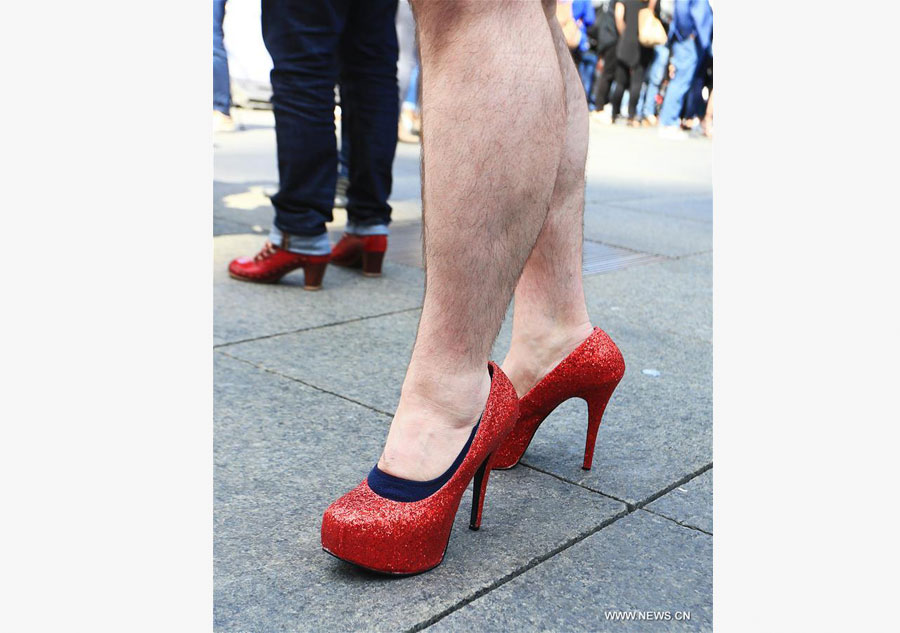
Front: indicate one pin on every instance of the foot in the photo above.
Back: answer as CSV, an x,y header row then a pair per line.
x,y
348,251
432,424
533,356
603,116
340,192
272,263
405,133
222,122
360,251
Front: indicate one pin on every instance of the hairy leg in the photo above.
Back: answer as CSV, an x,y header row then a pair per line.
x,y
550,318
493,126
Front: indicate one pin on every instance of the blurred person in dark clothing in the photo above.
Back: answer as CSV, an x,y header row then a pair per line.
x,y
694,103
607,38
314,45
632,58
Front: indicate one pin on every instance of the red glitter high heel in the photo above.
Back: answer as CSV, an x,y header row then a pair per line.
x,y
409,537
361,251
591,372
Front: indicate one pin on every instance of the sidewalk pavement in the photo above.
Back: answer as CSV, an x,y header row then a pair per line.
x,y
306,383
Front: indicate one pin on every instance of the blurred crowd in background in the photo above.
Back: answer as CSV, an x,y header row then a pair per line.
x,y
649,62
610,54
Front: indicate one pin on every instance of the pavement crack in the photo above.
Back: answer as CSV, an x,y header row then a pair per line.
x,y
671,487
624,206
631,250
537,560
306,384
315,327
681,523
687,255
630,506
534,562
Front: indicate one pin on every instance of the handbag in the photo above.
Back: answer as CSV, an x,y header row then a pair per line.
x,y
607,34
651,32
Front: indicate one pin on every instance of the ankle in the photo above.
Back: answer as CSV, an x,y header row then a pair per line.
x,y
434,419
450,399
534,352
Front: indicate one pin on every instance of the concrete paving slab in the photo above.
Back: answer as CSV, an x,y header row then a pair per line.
x,y
625,163
242,207
646,232
639,564
362,360
671,296
246,310
284,451
656,430
698,208
690,503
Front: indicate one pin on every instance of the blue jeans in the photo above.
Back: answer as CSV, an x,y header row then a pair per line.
x,y
412,92
315,44
586,67
685,58
655,75
221,81
694,106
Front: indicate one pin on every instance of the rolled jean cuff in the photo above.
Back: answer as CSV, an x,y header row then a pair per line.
x,y
301,244
375,229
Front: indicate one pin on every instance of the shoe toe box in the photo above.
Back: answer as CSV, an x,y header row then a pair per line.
x,y
384,535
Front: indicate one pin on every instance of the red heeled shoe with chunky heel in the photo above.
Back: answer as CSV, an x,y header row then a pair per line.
x,y
591,372
361,251
395,526
272,263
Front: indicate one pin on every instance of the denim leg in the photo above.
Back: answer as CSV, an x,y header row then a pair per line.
x,y
408,58
684,57
586,69
640,103
412,92
693,101
344,152
221,81
369,53
302,36
344,157
655,76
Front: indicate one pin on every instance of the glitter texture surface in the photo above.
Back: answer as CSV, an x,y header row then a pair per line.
x,y
590,372
411,537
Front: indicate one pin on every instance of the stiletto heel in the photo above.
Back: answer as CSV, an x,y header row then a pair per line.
x,y
371,263
591,372
396,526
596,405
479,485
